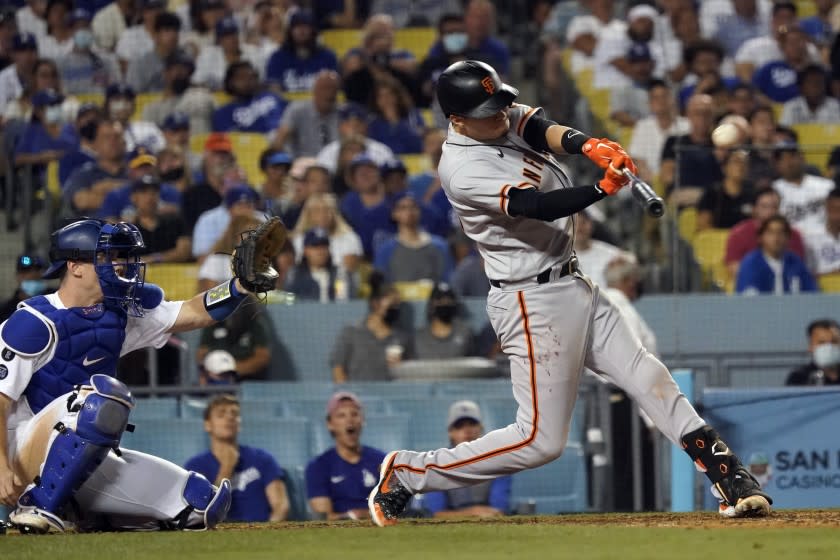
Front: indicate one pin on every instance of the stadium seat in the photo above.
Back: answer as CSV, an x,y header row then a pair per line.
x,y
830,283
296,489
262,410
428,420
193,408
160,408
142,100
816,141
341,40
287,439
178,280
174,441
428,120
417,40
474,389
687,224
415,163
419,290
709,249
498,411
284,390
559,486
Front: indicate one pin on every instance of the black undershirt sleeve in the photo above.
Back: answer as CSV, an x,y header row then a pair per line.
x,y
548,206
534,133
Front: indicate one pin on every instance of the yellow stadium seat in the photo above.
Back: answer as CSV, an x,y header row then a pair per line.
x,y
416,40
341,40
96,98
583,81
197,143
687,224
805,8
144,99
297,95
817,140
178,280
566,60
415,291
221,98
709,249
415,163
428,117
830,283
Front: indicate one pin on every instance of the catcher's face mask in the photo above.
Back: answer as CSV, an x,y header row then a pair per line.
x,y
118,266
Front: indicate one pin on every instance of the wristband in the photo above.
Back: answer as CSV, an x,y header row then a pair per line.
x,y
573,141
221,301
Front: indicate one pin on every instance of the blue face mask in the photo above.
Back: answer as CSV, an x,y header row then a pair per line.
x,y
454,43
33,287
83,38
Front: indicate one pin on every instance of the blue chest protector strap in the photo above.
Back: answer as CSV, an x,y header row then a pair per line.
x,y
73,455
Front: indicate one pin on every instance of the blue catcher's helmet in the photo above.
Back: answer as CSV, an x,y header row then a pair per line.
x,y
113,249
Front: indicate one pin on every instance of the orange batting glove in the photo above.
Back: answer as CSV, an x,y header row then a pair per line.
x,y
604,152
614,179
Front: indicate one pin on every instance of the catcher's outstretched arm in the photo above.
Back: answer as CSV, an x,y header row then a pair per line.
x,y
194,313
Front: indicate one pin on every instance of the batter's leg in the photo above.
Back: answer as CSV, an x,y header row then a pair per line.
x,y
544,332
617,354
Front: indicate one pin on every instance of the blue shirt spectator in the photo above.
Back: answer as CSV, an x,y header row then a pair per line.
x,y
395,123
479,21
250,110
772,269
257,481
254,471
366,208
46,138
295,65
734,30
119,200
339,480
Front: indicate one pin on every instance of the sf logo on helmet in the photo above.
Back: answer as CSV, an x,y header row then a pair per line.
x,y
488,84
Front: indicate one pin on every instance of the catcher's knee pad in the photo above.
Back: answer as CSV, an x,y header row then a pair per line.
x,y
74,454
211,504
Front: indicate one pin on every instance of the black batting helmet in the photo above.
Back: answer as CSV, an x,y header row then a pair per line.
x,y
473,89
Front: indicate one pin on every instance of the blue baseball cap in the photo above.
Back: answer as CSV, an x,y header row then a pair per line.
x,y
226,26
30,262
47,97
24,42
302,17
119,90
362,159
279,158
79,14
315,237
393,166
352,110
176,121
241,193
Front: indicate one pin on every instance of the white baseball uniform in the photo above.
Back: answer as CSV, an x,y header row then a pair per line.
x,y
550,330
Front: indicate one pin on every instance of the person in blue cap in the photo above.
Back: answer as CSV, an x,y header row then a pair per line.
x,y
250,110
238,200
12,78
85,68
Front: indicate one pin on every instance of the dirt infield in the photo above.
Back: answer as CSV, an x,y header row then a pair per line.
x,y
693,520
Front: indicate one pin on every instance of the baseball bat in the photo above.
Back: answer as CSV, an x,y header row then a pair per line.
x,y
645,195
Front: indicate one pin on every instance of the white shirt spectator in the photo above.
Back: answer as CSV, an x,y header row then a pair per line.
x,y
52,48
804,204
10,87
340,246
648,139
378,152
712,12
134,43
764,50
822,250
28,22
210,226
210,67
581,25
613,45
797,111
216,268
594,260
108,26
634,320
144,133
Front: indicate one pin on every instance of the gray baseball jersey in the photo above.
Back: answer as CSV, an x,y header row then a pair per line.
x,y
550,330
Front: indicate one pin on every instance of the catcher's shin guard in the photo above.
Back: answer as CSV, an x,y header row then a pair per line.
x,y
739,493
207,506
74,454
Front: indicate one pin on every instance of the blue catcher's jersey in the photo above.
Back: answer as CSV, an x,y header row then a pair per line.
x,y
88,341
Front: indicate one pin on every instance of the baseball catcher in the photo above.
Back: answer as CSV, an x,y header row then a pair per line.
x,y
63,412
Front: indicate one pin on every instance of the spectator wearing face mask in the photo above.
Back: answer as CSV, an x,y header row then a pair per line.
x,y
445,335
178,96
449,48
47,137
368,350
85,68
29,283
120,105
213,61
87,121
824,348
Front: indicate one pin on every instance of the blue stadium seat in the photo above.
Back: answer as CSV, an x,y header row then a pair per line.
x,y
556,487
384,432
193,408
389,389
163,408
262,410
174,440
284,390
287,439
296,488
474,389
428,420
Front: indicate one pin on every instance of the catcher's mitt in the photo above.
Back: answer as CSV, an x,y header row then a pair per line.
x,y
254,255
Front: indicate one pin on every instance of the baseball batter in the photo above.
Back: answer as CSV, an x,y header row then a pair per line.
x,y
552,321
62,413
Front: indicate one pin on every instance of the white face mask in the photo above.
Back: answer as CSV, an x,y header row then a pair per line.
x,y
83,39
54,114
827,355
455,43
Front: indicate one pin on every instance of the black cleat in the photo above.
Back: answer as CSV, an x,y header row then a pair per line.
x,y
740,495
389,497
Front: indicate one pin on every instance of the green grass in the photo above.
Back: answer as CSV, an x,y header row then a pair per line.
x,y
541,538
